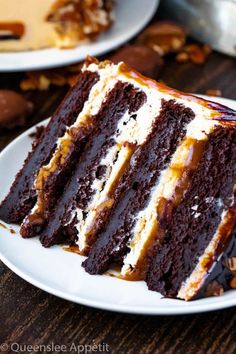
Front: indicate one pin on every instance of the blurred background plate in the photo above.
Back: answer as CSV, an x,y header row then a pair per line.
x,y
209,21
131,17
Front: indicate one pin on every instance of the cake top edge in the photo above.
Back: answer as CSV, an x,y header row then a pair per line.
x,y
223,114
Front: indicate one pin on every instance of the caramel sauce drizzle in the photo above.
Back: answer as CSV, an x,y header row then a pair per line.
x,y
12,231
130,73
114,271
74,249
224,115
15,29
45,172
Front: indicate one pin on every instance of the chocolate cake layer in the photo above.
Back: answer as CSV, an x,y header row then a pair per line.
x,y
170,128
78,190
190,227
22,195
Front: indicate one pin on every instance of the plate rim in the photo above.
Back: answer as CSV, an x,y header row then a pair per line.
x,y
141,310
178,310
100,50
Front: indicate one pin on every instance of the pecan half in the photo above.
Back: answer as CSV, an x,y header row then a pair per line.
x,y
164,37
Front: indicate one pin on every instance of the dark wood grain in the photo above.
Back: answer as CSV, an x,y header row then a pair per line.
x,y
31,316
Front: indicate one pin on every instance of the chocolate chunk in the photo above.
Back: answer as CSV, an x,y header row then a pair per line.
x,y
164,37
14,109
139,57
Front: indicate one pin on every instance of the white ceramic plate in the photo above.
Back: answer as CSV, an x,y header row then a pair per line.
x,y
60,273
131,17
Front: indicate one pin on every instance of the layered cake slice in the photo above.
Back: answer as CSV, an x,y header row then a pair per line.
x,y
33,24
143,176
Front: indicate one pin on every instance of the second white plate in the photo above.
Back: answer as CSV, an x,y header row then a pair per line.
x,y
131,17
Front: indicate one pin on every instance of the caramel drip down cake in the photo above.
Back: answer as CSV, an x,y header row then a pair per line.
x,y
133,173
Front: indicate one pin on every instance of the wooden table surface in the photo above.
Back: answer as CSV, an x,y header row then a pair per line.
x,y
31,316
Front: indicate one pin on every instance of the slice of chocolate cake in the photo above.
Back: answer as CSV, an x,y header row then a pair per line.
x,y
143,176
